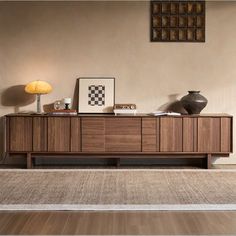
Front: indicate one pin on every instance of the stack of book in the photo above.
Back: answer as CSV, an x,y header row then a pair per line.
x,y
125,112
63,112
164,113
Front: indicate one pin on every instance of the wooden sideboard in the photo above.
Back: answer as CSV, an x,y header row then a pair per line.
x,y
195,136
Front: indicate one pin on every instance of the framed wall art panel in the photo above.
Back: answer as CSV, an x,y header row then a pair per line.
x,y
178,21
96,95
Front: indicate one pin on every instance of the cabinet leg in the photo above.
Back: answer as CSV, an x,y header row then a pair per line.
x,y
29,160
208,161
118,162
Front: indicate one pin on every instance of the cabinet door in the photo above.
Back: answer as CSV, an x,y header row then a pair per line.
x,y
123,134
226,134
59,134
75,134
40,136
171,134
189,134
209,134
20,134
93,134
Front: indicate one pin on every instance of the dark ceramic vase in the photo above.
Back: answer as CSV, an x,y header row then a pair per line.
x,y
194,102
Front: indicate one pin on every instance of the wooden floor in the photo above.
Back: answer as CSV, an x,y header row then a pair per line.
x,y
119,223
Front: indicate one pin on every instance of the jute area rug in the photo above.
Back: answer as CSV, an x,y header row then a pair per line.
x,y
111,189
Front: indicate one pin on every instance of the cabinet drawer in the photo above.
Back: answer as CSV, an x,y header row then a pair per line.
x,y
123,126
149,143
149,126
123,143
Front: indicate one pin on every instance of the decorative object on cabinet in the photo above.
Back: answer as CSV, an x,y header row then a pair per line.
x,y
58,105
96,95
67,102
120,109
194,102
110,136
63,112
38,87
125,106
178,21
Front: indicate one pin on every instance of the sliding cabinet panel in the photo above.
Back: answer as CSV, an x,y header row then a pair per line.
x,y
123,126
123,134
75,135
226,134
93,138
59,134
149,137
209,134
189,134
158,135
40,135
93,143
123,143
171,136
20,134
93,126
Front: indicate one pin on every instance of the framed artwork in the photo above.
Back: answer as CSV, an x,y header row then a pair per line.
x,y
96,95
178,20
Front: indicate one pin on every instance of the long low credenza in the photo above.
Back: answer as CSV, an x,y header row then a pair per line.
x,y
110,136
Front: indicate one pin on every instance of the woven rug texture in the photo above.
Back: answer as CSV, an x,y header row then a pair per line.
x,y
117,187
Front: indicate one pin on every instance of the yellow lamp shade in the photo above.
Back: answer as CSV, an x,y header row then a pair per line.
x,y
38,87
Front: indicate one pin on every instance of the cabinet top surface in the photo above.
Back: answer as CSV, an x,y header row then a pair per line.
x,y
112,115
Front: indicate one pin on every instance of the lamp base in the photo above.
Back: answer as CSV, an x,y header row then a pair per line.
x,y
38,104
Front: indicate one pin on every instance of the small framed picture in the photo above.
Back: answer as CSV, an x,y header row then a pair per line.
x,y
96,95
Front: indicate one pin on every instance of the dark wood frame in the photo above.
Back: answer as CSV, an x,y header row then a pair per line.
x,y
83,78
152,14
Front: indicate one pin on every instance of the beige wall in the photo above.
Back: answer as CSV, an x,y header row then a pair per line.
x,y
61,41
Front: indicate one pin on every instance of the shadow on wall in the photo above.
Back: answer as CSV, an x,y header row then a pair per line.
x,y
49,107
173,105
16,97
76,96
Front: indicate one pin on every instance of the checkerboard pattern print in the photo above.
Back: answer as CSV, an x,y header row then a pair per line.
x,y
96,95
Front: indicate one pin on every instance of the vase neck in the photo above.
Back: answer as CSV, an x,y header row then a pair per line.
x,y
192,91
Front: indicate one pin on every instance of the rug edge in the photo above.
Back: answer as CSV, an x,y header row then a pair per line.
x,y
121,207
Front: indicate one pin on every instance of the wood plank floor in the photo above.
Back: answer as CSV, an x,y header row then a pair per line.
x,y
119,223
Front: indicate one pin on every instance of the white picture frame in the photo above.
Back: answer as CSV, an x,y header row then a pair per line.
x,y
96,95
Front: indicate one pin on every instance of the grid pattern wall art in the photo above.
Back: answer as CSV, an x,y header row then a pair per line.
x,y
178,21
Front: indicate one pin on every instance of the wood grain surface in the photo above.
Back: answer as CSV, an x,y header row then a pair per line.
x,y
59,134
171,134
118,223
20,134
40,134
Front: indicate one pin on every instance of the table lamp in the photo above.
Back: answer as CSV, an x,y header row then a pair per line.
x,y
38,87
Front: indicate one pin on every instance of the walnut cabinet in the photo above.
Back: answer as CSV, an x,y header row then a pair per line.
x,y
120,136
